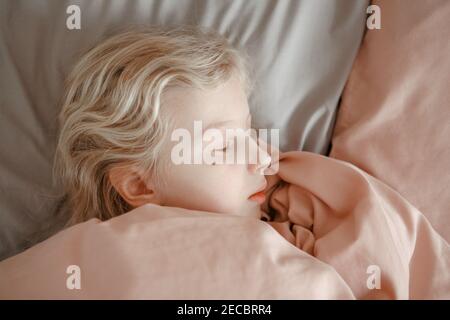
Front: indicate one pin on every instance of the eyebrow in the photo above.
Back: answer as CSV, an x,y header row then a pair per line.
x,y
223,123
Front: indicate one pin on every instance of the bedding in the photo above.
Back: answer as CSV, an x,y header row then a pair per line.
x,y
330,228
394,119
301,50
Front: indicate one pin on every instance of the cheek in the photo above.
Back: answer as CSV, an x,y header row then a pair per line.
x,y
204,187
225,188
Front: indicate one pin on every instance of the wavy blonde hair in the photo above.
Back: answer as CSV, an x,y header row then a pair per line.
x,y
111,114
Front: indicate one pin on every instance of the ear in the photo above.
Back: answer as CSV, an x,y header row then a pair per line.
x,y
132,187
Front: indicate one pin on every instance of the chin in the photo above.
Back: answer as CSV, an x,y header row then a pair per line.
x,y
257,215
252,210
255,212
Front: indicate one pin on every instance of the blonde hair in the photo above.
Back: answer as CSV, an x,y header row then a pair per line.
x,y
111,110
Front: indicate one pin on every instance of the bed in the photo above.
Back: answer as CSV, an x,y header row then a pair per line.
x,y
363,113
302,53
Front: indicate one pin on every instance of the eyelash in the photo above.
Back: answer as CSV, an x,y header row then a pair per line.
x,y
224,148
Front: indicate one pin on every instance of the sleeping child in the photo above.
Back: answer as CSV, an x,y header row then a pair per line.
x,y
125,98
131,97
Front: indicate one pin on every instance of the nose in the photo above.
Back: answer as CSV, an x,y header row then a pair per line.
x,y
263,159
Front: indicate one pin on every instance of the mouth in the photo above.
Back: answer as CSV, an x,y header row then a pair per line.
x,y
259,196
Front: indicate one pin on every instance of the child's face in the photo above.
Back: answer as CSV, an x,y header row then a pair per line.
x,y
223,188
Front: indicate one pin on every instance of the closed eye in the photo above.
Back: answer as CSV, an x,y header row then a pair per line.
x,y
224,148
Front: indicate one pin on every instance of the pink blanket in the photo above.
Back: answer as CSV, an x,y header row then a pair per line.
x,y
357,237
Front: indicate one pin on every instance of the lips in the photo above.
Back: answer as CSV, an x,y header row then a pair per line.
x,y
259,196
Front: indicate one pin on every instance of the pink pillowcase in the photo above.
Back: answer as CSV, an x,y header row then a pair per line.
x,y
394,119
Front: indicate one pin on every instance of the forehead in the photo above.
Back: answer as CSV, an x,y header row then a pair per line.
x,y
225,102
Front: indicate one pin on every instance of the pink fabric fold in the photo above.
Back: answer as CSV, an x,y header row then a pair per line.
x,y
350,220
